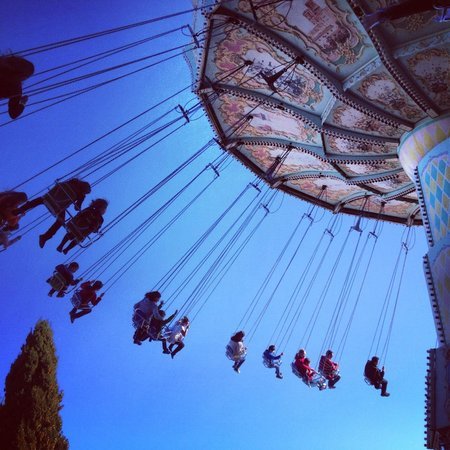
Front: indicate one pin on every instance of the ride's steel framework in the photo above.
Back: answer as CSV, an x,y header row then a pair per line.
x,y
323,101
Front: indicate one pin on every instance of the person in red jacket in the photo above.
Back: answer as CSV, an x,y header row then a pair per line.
x,y
299,361
85,299
329,369
313,378
304,369
308,374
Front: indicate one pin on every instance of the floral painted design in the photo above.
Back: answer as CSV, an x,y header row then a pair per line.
x,y
266,121
370,169
351,119
296,85
381,89
397,182
323,27
431,69
345,146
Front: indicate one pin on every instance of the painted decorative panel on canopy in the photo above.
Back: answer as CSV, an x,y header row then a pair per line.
x,y
238,58
266,120
340,146
370,169
296,160
398,181
381,89
325,30
309,75
348,118
336,189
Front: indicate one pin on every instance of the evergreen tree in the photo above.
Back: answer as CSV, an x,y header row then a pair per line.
x,y
29,415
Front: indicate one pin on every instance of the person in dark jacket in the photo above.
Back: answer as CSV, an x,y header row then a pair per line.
x,y
156,329
329,369
273,361
62,278
156,325
85,299
57,200
153,328
87,221
13,71
143,312
376,376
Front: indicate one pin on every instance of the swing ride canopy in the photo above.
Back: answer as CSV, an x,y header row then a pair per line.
x,y
321,100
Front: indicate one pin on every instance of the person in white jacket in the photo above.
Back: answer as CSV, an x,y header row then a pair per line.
x,y
176,336
236,350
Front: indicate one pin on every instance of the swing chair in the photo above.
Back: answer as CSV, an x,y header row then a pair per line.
x,y
321,369
58,283
60,198
141,325
317,380
271,364
57,201
81,229
366,380
235,356
5,240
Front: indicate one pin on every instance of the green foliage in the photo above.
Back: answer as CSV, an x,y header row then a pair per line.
x,y
29,415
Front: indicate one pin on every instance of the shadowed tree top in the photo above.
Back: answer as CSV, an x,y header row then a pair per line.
x,y
30,412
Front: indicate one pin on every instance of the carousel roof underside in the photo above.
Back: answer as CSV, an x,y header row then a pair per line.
x,y
343,98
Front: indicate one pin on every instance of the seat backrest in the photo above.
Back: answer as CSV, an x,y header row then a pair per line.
x,y
76,299
59,198
83,224
267,362
57,281
322,364
229,352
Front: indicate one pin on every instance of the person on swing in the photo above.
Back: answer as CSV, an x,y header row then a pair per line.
x,y
176,337
376,376
237,350
62,278
88,220
14,70
143,312
58,198
329,369
85,299
273,361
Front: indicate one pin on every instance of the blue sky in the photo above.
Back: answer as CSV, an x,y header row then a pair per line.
x,y
120,396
